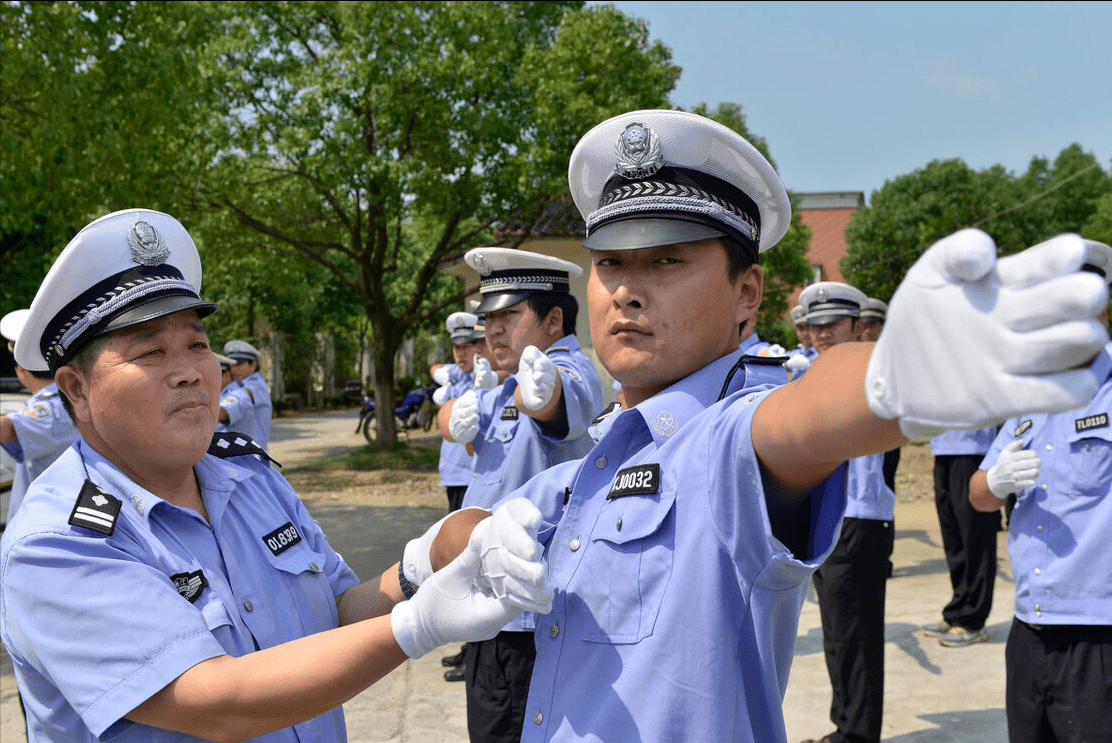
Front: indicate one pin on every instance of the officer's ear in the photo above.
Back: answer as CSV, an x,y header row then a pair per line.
x,y
749,290
554,322
74,384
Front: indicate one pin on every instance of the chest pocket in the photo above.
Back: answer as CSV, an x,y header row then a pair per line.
x,y
1089,472
309,589
499,437
628,566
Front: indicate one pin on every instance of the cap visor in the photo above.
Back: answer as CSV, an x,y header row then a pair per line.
x,y
632,234
158,307
500,301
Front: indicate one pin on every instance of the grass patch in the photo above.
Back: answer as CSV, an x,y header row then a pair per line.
x,y
415,456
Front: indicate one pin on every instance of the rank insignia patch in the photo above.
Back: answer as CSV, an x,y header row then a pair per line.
x,y
643,479
95,509
190,585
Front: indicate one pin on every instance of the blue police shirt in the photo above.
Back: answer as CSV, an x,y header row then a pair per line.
x,y
97,623
869,496
676,609
1059,530
455,463
511,447
954,443
264,408
43,431
240,407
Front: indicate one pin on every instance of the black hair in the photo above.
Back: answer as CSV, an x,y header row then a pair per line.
x,y
738,259
83,362
542,303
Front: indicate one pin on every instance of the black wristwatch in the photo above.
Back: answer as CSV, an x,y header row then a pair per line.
x,y
407,587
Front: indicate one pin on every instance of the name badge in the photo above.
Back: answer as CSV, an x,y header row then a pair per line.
x,y
509,413
643,479
190,585
282,538
1091,422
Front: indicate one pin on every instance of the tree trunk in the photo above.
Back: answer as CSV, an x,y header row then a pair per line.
x,y
384,390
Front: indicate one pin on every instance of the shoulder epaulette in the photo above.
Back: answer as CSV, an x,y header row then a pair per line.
x,y
95,509
764,360
232,444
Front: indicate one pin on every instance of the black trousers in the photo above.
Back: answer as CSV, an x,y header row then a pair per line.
x,y
455,496
968,539
1059,683
497,678
851,587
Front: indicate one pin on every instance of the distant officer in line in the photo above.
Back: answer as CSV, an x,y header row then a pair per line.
x,y
248,414
239,399
803,331
872,318
1059,684
36,435
681,546
968,537
471,370
162,583
535,419
852,581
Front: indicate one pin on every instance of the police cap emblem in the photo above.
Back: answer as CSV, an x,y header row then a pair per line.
x,y
638,152
147,246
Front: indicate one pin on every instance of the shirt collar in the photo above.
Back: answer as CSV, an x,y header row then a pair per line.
x,y
667,412
1102,365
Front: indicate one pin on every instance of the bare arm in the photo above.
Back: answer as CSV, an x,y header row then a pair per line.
x,y
803,431
980,497
550,412
7,429
442,417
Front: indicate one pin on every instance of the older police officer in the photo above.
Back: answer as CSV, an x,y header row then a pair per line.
x,y
157,576
682,544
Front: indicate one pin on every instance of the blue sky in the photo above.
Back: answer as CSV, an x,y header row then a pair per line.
x,y
850,95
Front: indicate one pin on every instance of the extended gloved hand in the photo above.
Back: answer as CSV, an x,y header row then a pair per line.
x,y
449,607
797,363
1016,469
463,424
485,378
512,568
536,378
775,350
971,340
440,396
442,376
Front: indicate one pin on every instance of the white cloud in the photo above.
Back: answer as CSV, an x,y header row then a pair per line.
x,y
942,78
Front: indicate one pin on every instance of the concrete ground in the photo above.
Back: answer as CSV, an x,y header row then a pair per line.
x,y
933,694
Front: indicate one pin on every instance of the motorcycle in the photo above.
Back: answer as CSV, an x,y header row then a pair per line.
x,y
412,413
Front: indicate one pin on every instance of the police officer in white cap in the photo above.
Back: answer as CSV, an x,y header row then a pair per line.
x,y
535,419
872,318
851,582
238,399
685,539
37,434
163,583
1060,468
250,413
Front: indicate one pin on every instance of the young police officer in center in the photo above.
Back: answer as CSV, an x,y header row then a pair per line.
x,y
682,544
160,583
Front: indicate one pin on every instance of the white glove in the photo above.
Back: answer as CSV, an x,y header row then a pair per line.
x,y
442,376
416,561
536,377
449,607
1016,469
485,378
440,396
797,363
971,340
775,350
512,567
463,424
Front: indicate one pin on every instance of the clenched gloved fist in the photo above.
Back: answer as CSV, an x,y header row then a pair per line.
x,y
485,378
536,377
1016,469
442,376
797,363
512,567
971,340
440,396
463,424
450,607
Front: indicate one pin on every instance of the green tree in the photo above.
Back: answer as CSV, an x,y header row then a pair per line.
x,y
376,139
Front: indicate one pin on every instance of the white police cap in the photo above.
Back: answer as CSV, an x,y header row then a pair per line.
x,y
799,315
874,310
509,276
829,301
1098,259
225,362
464,327
121,270
12,324
241,351
649,178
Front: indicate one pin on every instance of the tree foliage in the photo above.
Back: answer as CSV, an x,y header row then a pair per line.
x,y
908,214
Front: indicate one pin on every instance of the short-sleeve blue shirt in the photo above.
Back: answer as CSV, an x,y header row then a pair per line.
x,y
255,422
869,496
95,624
511,447
953,443
1059,530
676,608
455,463
237,403
43,430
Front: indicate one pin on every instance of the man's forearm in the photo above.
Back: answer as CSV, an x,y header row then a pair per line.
x,y
980,497
454,534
